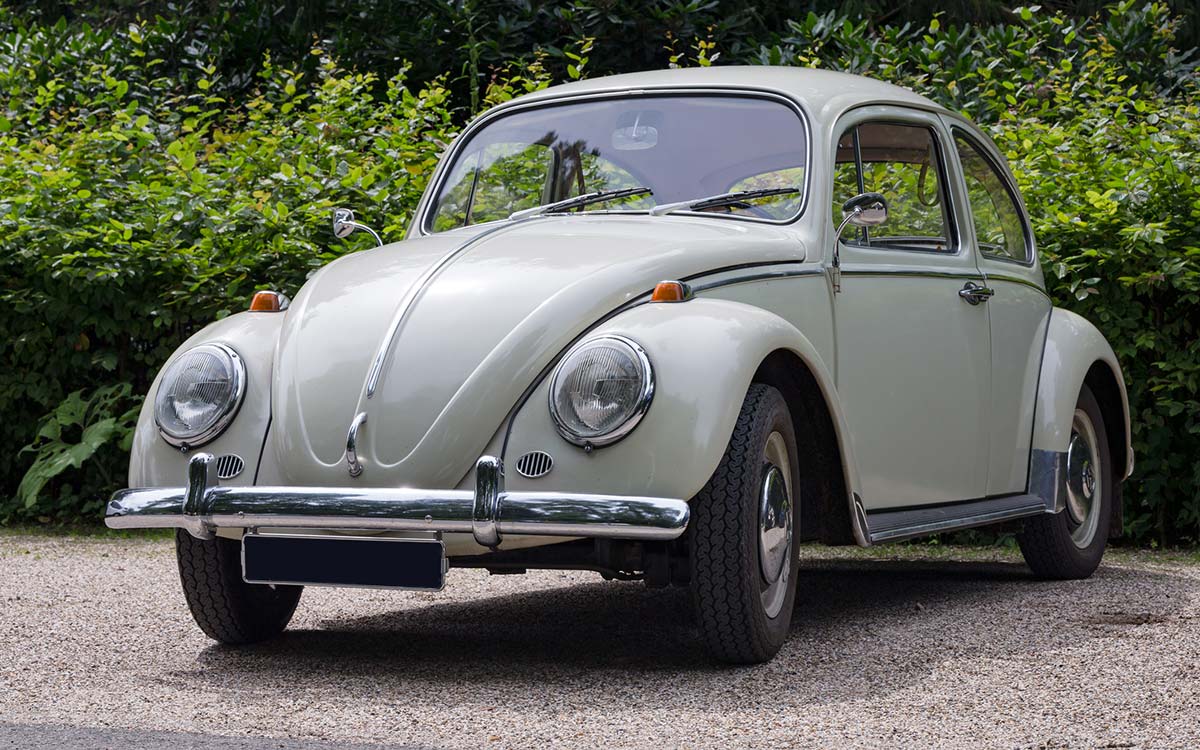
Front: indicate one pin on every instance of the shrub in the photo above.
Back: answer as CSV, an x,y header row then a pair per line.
x,y
137,206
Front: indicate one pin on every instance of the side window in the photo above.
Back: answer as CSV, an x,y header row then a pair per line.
x,y
999,228
494,182
903,163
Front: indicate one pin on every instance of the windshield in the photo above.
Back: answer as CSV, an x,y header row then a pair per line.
x,y
681,147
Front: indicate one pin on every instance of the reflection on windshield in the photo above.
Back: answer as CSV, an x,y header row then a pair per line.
x,y
678,146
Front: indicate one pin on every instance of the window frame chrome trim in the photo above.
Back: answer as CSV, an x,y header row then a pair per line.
x,y
424,214
645,397
227,416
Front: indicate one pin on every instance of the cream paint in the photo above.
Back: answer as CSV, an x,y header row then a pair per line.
x,y
494,319
1073,345
154,463
474,338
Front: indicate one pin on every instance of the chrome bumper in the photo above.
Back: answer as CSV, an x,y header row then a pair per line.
x,y
487,514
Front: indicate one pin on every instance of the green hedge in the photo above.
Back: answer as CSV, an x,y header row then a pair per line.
x,y
139,199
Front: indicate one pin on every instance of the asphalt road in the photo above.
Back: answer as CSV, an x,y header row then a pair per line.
x,y
937,649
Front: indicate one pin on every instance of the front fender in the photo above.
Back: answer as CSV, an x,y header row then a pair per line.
x,y
1073,347
154,463
704,353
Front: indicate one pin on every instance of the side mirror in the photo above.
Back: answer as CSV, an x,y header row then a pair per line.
x,y
344,225
863,210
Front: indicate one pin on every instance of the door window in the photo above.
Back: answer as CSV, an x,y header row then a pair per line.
x,y
903,163
1000,230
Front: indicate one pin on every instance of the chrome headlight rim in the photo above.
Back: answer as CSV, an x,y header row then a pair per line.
x,y
645,396
189,441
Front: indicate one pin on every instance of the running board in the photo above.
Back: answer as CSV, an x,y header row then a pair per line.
x,y
896,525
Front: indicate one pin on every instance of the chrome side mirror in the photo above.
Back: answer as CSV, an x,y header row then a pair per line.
x,y
344,225
863,210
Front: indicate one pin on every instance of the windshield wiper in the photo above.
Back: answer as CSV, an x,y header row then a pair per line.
x,y
579,201
738,198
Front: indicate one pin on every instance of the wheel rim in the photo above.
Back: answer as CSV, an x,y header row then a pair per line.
x,y
775,525
1084,486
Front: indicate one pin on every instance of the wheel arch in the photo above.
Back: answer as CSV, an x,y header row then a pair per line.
x,y
825,513
706,353
1077,354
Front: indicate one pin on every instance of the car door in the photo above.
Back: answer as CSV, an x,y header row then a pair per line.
x,y
913,356
1019,310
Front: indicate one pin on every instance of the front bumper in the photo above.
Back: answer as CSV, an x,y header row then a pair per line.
x,y
487,514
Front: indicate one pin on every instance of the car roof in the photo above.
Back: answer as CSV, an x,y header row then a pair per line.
x,y
825,94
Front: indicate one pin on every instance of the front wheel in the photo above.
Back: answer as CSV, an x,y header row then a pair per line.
x,y
225,607
745,523
1070,544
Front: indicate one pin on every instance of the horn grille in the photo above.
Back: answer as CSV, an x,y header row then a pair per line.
x,y
535,464
229,466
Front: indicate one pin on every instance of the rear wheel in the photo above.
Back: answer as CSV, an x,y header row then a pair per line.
x,y
745,523
225,607
1070,544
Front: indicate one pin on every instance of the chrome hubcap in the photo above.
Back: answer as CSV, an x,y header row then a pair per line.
x,y
775,524
774,529
1083,486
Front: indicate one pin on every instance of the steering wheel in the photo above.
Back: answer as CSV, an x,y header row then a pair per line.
x,y
921,179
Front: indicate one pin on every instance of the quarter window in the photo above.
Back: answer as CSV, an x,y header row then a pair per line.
x,y
903,163
999,228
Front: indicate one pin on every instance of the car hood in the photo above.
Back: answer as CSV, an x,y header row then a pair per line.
x,y
478,314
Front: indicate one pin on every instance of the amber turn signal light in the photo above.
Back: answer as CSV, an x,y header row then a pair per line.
x,y
671,291
267,301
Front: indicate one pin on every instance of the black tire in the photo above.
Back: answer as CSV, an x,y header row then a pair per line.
x,y
1046,541
726,577
225,607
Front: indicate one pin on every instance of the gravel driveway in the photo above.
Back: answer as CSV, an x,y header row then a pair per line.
x,y
895,647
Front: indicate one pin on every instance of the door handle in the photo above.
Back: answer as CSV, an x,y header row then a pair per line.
x,y
973,293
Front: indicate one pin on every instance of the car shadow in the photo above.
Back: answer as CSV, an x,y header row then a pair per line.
x,y
860,628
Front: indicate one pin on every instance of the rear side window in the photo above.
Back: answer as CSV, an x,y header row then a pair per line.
x,y
904,164
1000,229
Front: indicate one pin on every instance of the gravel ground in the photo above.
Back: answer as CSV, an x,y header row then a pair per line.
x,y
894,647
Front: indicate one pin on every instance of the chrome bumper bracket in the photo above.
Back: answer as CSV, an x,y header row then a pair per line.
x,y
488,513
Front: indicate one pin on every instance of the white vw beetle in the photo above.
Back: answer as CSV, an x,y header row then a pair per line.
x,y
663,326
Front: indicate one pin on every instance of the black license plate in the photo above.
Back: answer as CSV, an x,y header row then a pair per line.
x,y
381,562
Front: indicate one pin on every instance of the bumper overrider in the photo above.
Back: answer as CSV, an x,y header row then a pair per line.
x,y
488,513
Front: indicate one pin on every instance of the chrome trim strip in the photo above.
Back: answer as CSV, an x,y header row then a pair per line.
x,y
423,219
395,509
894,526
967,274
1015,280
759,276
1047,476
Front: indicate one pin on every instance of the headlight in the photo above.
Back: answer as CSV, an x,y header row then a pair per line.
x,y
600,390
199,395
